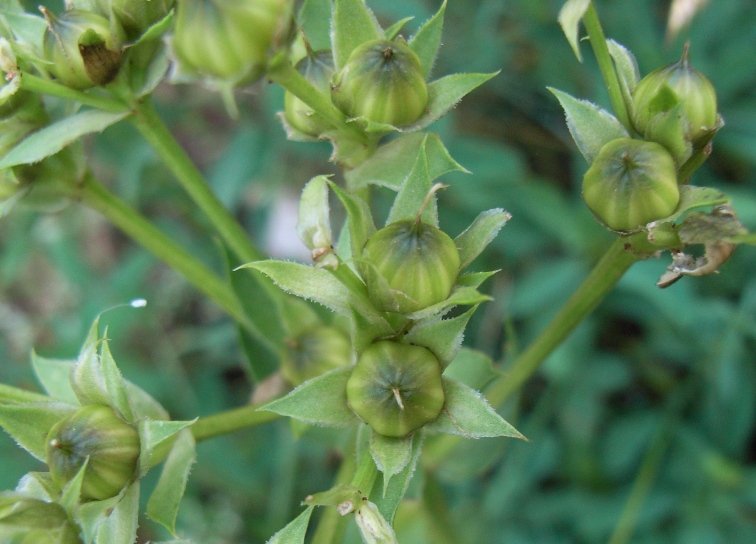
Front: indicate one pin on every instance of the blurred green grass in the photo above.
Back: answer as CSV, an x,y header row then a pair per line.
x,y
593,411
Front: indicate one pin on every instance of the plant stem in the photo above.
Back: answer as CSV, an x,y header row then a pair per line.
x,y
40,85
602,279
366,474
331,526
175,158
231,421
606,65
97,197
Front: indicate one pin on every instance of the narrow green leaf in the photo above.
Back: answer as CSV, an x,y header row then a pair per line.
x,y
120,526
590,126
474,279
307,282
365,328
157,29
26,26
427,40
473,368
460,296
87,378
570,15
114,383
442,336
390,454
352,25
151,435
314,220
314,19
320,401
295,531
16,395
692,197
29,423
361,225
91,515
397,487
146,80
748,239
467,413
71,493
394,29
413,192
38,485
479,234
164,502
627,68
143,405
49,140
53,375
445,93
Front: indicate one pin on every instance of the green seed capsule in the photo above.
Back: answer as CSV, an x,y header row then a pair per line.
x,y
32,521
229,39
83,47
98,433
630,184
317,68
382,81
419,262
665,88
315,352
135,16
396,388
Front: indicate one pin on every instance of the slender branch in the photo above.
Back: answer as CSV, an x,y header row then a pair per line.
x,y
40,85
332,525
366,474
231,421
606,65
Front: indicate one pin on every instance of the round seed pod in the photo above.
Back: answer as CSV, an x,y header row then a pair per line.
x,y
630,184
678,83
418,261
382,81
317,68
315,352
229,39
98,433
396,388
83,47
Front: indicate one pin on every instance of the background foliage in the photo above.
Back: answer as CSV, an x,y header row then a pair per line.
x,y
657,387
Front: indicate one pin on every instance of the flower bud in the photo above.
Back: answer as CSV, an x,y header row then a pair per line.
x,y
315,352
25,520
418,262
396,388
630,184
83,47
317,68
665,88
382,81
135,16
229,39
97,433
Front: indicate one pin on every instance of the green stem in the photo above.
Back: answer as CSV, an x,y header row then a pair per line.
x,y
601,280
231,421
175,158
97,197
366,474
606,65
40,85
332,525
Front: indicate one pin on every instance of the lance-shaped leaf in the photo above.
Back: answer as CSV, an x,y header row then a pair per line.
x,y
38,485
426,42
479,234
442,336
314,221
71,493
627,71
16,395
570,16
352,25
361,225
590,126
53,375
474,279
143,405
365,328
49,140
692,197
26,26
390,454
320,401
391,32
392,162
444,94
310,283
90,515
314,19
164,502
29,423
119,526
413,192
460,296
388,503
153,436
114,383
472,368
467,413
295,531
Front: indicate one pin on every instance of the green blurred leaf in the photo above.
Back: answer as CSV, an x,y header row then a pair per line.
x,y
397,487
314,19
153,434
54,375
71,493
474,279
570,15
361,225
479,234
29,423
413,192
294,532
442,336
627,71
460,296
472,368
391,32
320,401
353,24
427,40
590,126
390,454
119,526
114,383
165,500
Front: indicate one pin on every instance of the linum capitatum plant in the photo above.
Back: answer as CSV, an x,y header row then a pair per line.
x,y
386,368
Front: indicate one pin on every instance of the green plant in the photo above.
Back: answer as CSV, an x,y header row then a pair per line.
x,y
385,367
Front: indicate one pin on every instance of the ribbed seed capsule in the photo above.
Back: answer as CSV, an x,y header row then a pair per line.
x,y
396,388
98,433
315,352
418,261
317,68
382,81
83,47
630,184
